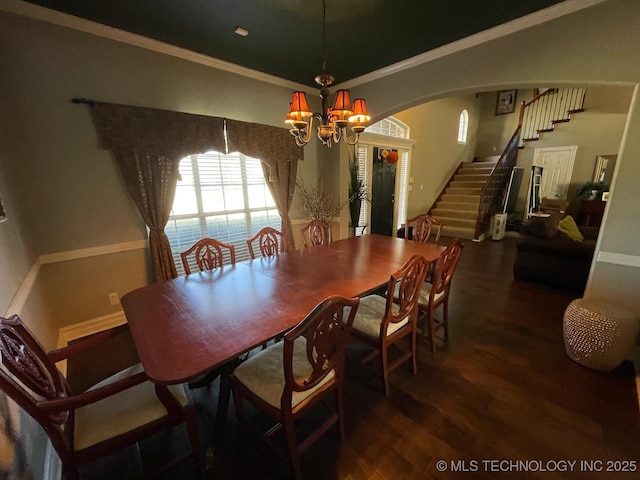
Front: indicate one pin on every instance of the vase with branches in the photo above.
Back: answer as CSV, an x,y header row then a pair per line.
x,y
317,204
358,191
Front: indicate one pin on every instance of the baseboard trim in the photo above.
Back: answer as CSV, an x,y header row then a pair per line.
x,y
83,329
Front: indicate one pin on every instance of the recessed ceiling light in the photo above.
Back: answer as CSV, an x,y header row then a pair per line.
x,y
243,32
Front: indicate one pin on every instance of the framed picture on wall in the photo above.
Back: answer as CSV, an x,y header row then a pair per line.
x,y
506,102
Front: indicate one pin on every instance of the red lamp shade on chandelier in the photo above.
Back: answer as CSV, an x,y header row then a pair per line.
x,y
333,120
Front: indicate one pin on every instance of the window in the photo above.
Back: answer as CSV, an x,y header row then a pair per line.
x,y
220,196
391,127
397,134
463,127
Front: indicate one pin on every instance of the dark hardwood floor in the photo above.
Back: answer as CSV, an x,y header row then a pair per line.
x,y
501,391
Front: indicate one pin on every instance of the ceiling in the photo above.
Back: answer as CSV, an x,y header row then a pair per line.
x,y
285,36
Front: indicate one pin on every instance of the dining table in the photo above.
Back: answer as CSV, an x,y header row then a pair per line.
x,y
189,326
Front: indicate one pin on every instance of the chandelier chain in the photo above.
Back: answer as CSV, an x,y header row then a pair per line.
x,y
324,37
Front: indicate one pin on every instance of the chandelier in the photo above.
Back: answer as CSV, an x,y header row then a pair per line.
x,y
333,120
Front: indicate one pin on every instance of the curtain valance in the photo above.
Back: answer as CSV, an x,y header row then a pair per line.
x,y
177,134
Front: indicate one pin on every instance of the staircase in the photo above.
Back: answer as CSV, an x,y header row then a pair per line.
x,y
457,208
547,109
475,193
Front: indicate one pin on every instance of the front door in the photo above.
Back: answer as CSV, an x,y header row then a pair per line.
x,y
383,185
557,166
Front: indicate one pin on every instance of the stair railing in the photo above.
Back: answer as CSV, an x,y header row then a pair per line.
x,y
545,110
492,193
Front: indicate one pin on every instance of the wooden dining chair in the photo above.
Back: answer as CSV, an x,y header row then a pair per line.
x,y
270,241
288,378
420,227
207,254
436,293
382,321
82,427
316,233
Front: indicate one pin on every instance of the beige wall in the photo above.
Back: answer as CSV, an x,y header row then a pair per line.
x,y
74,291
495,131
437,153
16,256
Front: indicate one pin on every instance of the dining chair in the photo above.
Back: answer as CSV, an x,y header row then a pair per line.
x,y
270,242
436,293
207,254
290,377
420,227
316,233
382,321
82,427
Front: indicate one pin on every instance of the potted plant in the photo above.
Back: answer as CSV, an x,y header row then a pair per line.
x,y
591,190
358,192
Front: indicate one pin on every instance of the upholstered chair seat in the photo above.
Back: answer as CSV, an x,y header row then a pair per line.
x,y
371,314
263,373
126,410
426,290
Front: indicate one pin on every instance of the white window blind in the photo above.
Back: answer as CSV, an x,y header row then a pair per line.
x,y
403,188
362,173
223,197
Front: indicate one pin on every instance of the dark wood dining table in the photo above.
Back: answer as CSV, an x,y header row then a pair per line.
x,y
198,325
188,326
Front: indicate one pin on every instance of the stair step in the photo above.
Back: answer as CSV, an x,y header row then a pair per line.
x,y
473,199
466,177
458,232
472,184
490,158
463,191
463,207
456,222
452,213
475,171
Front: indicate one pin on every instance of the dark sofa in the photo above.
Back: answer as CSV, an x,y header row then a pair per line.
x,y
547,256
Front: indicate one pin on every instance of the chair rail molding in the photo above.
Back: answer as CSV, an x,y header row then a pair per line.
x,y
22,293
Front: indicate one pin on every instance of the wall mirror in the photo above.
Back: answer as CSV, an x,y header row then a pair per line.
x,y
603,171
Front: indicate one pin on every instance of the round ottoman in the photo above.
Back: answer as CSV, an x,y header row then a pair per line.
x,y
597,334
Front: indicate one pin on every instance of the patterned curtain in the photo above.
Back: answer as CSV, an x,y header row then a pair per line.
x,y
279,154
148,145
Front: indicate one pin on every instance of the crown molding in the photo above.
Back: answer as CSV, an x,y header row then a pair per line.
x,y
65,20
556,11
55,17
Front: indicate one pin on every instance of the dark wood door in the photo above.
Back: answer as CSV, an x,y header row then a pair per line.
x,y
382,194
